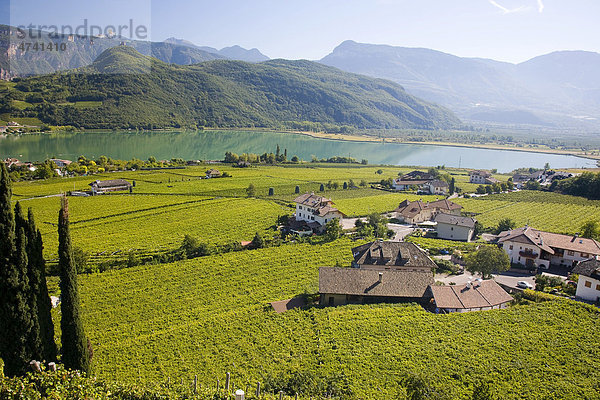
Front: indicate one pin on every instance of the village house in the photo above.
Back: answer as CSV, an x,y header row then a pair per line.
x,y
14,163
113,185
61,163
472,296
382,271
436,186
588,285
414,179
339,286
387,255
414,212
454,227
313,212
481,177
213,173
533,248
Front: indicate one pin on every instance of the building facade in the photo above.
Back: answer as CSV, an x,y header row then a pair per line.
x,y
588,284
453,227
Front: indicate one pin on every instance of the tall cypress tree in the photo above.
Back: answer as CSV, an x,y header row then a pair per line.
x,y
15,321
40,300
75,352
30,284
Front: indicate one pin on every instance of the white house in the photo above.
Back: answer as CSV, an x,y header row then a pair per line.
x,y
436,187
588,285
481,177
454,227
413,179
533,248
312,208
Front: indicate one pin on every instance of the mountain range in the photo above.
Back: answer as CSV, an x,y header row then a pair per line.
x,y
80,51
125,89
560,89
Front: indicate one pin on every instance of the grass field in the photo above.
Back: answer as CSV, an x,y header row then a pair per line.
x,y
210,315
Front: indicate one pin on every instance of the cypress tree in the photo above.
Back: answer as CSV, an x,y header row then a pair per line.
x,y
30,284
15,321
75,351
39,288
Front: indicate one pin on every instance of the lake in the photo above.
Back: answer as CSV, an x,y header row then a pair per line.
x,y
212,145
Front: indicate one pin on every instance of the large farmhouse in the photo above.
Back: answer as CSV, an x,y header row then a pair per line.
x,y
385,255
533,248
588,284
382,272
113,185
472,296
312,213
339,286
414,212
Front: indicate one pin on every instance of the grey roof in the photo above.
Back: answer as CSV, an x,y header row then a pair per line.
x,y
365,282
110,183
477,295
589,268
385,253
455,220
439,183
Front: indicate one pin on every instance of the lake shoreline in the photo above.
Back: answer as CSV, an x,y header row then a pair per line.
x,y
344,138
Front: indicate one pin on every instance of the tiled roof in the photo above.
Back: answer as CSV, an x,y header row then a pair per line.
x,y
323,205
476,295
445,205
366,282
438,183
386,253
480,173
589,268
548,241
455,220
110,183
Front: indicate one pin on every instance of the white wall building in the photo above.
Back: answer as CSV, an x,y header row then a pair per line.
x,y
314,208
588,285
533,248
453,227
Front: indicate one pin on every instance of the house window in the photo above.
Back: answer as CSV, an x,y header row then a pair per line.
x,y
585,255
588,284
510,247
597,287
452,228
570,253
300,207
331,301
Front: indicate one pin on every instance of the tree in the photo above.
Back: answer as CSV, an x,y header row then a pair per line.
x,y
37,279
590,230
75,351
477,230
532,185
322,188
363,183
482,391
486,260
15,321
451,186
480,189
333,230
505,224
250,190
546,166
257,242
379,172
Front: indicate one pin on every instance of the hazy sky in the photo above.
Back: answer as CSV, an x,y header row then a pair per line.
x,y
508,30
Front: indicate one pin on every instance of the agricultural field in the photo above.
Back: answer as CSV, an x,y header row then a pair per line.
x,y
210,315
114,225
547,211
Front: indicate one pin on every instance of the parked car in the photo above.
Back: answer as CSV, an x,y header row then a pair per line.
x,y
524,285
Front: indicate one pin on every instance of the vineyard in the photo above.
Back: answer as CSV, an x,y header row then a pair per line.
x,y
210,315
546,211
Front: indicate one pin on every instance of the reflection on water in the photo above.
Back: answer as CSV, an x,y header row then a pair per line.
x,y
213,145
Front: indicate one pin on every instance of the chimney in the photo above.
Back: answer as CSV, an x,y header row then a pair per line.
x,y
468,285
380,277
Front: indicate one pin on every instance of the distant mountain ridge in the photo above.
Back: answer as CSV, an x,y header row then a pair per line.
x,y
129,90
83,50
557,89
233,52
